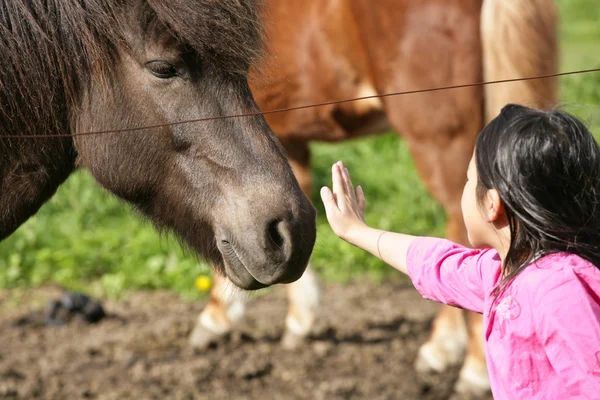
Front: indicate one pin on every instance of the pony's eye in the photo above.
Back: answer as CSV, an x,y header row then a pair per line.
x,y
162,69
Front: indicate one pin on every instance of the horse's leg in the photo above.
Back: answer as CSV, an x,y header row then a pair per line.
x,y
473,375
442,165
448,340
304,295
224,309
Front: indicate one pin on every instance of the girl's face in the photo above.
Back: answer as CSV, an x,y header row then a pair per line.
x,y
478,227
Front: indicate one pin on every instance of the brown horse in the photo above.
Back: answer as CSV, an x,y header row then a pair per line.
x,y
323,50
224,187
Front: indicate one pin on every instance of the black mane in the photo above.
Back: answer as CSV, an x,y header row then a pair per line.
x,y
52,49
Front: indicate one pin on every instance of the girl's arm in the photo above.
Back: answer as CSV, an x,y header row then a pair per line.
x,y
440,270
345,212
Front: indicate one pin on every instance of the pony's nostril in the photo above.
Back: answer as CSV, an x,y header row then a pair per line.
x,y
274,236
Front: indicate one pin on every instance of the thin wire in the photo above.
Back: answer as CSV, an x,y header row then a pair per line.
x,y
125,130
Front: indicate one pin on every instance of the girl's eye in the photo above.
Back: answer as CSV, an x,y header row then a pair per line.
x,y
162,69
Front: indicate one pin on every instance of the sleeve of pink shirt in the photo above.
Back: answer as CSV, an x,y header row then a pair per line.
x,y
452,274
568,323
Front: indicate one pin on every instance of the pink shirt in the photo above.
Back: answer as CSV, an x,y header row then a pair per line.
x,y
542,339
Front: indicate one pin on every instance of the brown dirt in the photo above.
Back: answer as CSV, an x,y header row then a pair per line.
x,y
364,348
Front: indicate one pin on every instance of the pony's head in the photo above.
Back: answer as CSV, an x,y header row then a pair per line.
x,y
223,186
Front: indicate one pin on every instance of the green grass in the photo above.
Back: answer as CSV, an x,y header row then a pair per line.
x,y
86,239
580,46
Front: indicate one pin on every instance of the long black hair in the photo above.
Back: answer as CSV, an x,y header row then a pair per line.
x,y
545,166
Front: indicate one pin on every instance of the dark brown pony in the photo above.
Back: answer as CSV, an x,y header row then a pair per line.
x,y
322,50
224,187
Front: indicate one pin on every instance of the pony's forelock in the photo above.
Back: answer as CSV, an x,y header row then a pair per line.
x,y
53,50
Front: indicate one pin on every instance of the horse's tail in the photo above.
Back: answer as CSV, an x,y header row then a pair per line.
x,y
519,39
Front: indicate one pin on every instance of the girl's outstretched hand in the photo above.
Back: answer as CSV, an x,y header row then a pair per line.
x,y
345,212
344,207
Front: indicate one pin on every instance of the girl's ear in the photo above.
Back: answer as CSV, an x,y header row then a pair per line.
x,y
493,207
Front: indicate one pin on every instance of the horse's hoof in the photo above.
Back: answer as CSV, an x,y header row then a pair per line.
x,y
471,390
432,358
473,381
202,338
292,341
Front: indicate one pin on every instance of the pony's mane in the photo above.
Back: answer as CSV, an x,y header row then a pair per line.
x,y
51,50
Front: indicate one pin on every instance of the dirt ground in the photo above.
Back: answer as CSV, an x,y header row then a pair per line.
x,y
363,348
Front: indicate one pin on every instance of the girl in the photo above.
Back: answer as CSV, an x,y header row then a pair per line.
x,y
532,213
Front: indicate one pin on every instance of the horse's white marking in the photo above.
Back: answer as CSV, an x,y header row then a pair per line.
x,y
305,296
473,377
228,293
365,106
217,327
235,311
297,327
230,308
445,348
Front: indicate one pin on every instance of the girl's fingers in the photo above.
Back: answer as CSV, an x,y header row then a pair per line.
x,y
337,180
360,198
351,192
344,194
344,176
328,200
349,184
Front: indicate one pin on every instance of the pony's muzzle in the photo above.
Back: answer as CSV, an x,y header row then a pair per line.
x,y
266,254
235,269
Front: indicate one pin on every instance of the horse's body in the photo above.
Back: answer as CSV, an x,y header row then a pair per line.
x,y
223,186
321,50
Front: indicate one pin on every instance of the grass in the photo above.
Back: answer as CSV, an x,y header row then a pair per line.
x,y
580,45
85,239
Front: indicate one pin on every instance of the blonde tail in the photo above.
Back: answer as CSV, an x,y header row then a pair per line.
x,y
519,39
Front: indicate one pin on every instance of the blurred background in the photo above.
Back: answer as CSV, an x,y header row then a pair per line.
x,y
86,240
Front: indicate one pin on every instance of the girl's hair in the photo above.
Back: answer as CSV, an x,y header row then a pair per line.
x,y
545,166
